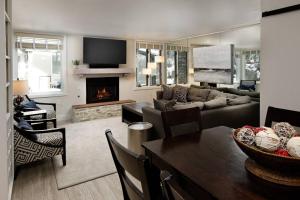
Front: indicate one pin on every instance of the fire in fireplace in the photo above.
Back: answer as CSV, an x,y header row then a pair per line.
x,y
102,89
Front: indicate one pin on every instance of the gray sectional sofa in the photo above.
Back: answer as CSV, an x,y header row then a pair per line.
x,y
238,110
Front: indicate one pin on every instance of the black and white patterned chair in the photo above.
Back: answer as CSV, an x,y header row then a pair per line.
x,y
46,144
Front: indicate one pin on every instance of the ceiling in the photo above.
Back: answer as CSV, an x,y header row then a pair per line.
x,y
135,19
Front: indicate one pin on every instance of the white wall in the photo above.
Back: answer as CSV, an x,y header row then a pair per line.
x,y
76,86
245,37
280,49
3,122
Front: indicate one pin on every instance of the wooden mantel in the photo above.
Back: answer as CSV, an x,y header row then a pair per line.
x,y
103,71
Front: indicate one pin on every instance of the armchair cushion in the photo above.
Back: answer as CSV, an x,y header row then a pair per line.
x,y
53,138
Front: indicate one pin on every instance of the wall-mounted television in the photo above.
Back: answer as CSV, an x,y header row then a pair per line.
x,y
214,64
98,52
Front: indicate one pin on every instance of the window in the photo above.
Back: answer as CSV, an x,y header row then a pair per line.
x,y
176,65
40,61
247,65
148,73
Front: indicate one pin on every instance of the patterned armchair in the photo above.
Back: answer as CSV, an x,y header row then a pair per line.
x,y
46,143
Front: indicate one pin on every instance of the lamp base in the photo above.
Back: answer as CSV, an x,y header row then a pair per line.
x,y
18,100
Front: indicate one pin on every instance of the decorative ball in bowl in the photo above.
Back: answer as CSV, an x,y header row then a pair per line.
x,y
277,147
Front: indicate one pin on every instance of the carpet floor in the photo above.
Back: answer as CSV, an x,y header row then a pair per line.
x,y
88,154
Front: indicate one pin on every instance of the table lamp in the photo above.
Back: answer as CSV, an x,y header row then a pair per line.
x,y
20,88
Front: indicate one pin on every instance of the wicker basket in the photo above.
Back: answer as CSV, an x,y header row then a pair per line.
x,y
271,160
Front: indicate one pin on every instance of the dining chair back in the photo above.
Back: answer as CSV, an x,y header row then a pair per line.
x,y
282,115
136,165
180,122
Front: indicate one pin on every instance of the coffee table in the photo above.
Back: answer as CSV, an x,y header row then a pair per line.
x,y
133,112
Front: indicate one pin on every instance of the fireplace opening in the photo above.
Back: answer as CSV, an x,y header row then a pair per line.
x,y
102,89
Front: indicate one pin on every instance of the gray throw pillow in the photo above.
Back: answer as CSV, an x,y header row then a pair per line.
x,y
215,103
196,94
180,93
167,92
164,105
239,100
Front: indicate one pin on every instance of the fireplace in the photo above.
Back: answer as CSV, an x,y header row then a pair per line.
x,y
102,89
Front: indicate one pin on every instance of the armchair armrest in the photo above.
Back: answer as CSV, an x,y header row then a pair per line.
x,y
43,121
42,103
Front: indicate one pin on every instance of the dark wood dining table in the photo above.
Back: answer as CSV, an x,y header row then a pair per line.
x,y
211,166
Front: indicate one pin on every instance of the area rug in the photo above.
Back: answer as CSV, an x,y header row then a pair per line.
x,y
88,154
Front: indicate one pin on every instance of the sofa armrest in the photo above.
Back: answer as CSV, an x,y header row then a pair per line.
x,y
159,95
153,116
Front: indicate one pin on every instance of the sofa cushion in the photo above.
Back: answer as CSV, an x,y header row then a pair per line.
x,y
164,105
243,93
196,94
239,100
215,103
180,93
167,92
213,94
181,106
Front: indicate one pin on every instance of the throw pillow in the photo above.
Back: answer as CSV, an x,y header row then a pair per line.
x,y
239,100
164,105
180,93
215,103
196,94
30,105
24,125
167,92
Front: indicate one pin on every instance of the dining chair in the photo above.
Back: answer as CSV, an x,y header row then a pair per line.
x,y
171,188
181,122
137,166
282,115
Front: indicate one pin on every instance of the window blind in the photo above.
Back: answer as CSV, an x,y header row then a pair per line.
x,y
39,41
172,47
149,45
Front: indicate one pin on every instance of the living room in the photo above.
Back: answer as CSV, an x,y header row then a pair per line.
x,y
95,88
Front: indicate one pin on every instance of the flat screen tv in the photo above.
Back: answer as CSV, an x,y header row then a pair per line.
x,y
100,53
213,64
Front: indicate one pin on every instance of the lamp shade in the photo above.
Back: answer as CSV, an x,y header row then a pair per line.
x,y
159,59
152,65
20,87
146,71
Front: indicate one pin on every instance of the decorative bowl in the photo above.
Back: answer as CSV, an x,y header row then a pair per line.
x,y
270,160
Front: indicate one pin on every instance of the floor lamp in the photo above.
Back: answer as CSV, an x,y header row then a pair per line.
x,y
160,60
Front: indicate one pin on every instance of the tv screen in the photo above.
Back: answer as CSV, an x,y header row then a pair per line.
x,y
97,51
213,64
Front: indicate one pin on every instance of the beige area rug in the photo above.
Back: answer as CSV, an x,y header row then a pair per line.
x,y
88,153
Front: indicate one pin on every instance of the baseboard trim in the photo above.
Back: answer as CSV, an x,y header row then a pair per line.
x,y
281,10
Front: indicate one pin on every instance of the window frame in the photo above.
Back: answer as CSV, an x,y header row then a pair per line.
x,y
64,62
